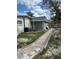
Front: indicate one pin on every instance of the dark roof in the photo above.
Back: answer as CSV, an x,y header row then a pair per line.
x,y
43,18
23,16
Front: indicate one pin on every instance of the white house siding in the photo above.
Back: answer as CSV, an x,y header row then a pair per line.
x,y
20,26
27,23
45,25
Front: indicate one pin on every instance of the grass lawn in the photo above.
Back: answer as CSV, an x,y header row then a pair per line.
x,y
26,38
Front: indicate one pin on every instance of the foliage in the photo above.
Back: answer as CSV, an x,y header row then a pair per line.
x,y
57,57
54,6
53,43
30,14
31,36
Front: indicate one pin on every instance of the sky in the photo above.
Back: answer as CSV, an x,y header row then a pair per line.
x,y
35,6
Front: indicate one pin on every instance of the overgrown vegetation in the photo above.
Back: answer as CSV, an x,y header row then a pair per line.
x,y
53,44
26,38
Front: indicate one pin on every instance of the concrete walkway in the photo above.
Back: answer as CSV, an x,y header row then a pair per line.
x,y
33,49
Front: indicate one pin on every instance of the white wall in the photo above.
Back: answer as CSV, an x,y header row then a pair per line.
x,y
27,23
20,27
44,25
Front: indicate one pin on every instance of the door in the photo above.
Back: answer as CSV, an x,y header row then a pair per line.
x,y
38,26
26,29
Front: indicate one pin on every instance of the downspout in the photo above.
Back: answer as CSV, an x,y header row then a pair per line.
x,y
24,23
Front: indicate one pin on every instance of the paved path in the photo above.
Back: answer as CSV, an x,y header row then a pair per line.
x,y
33,49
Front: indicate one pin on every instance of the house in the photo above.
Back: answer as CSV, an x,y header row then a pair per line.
x,y
39,23
25,23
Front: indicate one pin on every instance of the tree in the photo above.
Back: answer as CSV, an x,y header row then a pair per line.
x,y
30,14
54,6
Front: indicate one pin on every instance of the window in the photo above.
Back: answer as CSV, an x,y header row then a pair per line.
x,y
19,22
